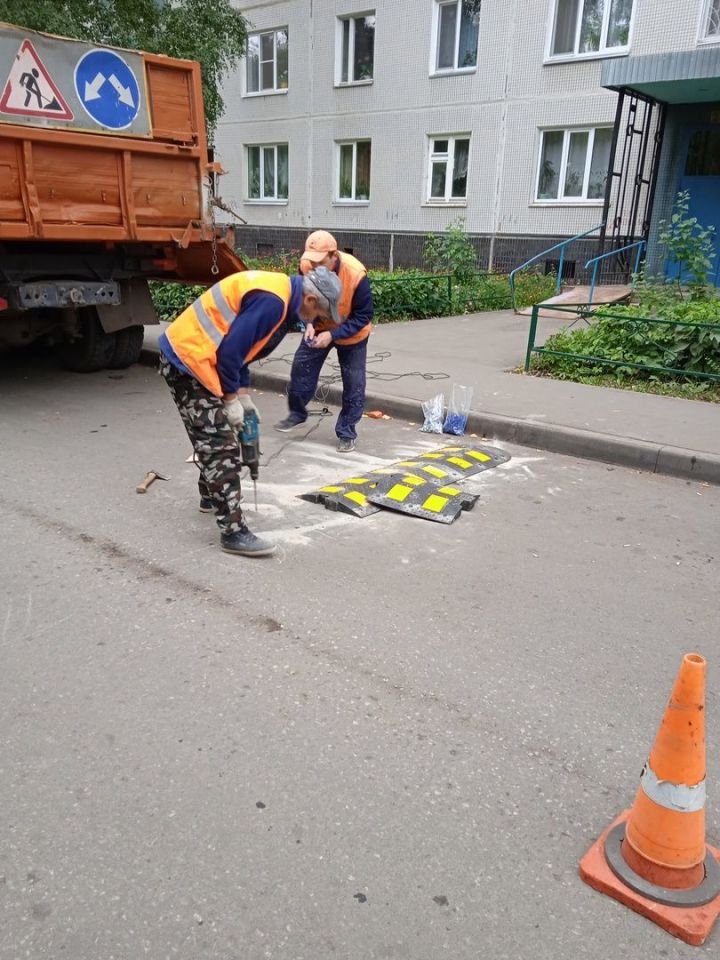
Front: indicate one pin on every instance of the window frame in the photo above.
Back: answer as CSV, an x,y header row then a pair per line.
x,y
703,36
436,71
340,21
275,90
351,201
449,200
562,201
262,147
603,52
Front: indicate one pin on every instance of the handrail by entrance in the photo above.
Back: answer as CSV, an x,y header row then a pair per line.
x,y
640,244
558,246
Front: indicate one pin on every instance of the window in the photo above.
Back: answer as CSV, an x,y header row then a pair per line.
x,y
712,23
587,27
267,62
574,164
456,29
448,169
354,171
268,172
356,48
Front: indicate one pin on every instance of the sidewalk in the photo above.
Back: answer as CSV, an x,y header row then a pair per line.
x,y
648,432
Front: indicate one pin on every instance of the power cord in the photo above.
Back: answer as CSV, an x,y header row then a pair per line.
x,y
326,381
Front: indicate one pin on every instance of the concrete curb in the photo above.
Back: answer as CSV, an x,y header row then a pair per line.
x,y
553,437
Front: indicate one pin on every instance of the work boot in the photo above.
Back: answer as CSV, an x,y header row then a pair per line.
x,y
345,445
244,543
289,423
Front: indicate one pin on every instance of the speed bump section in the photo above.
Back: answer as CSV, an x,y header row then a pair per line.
x,y
456,462
417,496
348,496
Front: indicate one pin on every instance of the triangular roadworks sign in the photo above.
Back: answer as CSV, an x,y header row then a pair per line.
x,y
30,90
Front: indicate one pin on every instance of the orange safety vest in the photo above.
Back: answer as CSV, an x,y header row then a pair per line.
x,y
197,333
350,274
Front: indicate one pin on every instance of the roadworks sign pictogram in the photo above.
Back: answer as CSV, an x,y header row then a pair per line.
x,y
30,91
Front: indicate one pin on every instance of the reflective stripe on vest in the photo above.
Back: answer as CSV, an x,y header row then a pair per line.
x,y
197,333
350,273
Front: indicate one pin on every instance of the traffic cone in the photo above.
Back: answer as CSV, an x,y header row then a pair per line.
x,y
653,858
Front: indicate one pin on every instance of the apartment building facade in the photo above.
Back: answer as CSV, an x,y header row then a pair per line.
x,y
533,120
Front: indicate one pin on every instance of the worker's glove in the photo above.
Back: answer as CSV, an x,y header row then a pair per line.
x,y
248,405
235,413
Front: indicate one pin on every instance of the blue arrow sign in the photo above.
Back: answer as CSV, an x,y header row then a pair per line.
x,y
108,89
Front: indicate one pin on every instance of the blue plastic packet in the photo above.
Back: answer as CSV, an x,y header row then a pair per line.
x,y
458,410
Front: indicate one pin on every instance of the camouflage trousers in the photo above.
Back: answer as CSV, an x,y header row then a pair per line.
x,y
214,441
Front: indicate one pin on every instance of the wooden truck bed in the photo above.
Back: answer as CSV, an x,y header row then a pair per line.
x,y
60,181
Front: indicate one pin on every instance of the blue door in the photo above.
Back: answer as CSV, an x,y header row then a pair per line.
x,y
701,178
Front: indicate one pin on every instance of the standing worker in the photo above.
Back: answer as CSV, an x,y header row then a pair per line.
x,y
204,357
348,334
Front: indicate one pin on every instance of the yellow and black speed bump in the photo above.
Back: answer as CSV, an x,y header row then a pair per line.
x,y
350,496
425,486
455,462
420,497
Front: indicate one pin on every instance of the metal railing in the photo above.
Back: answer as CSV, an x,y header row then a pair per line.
x,y
640,244
641,327
562,247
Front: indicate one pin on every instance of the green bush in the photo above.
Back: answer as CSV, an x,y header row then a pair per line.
x,y
401,295
618,336
170,299
408,295
451,252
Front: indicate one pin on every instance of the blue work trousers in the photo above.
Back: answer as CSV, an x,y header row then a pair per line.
x,y
304,378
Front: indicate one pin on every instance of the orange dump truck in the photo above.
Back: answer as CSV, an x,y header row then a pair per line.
x,y
104,185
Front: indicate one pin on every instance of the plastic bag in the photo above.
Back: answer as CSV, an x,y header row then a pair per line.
x,y
458,410
433,412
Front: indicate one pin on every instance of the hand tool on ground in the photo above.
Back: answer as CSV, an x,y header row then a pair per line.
x,y
150,477
250,447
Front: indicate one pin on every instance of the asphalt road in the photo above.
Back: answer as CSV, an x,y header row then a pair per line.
x,y
396,739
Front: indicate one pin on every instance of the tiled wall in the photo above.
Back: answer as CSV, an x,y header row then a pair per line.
x,y
512,95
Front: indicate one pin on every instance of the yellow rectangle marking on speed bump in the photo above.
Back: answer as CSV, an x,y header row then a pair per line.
x,y
357,497
435,472
482,457
433,456
451,491
399,492
331,489
465,464
413,481
434,503
358,480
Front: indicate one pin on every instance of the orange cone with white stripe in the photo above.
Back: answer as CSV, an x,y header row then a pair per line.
x,y
654,858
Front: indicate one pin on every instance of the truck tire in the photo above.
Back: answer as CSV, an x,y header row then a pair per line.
x,y
128,347
93,350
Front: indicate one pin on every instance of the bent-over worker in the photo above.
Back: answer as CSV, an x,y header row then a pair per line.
x,y
348,333
204,357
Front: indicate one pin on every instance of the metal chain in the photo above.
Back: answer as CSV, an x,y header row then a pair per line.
x,y
214,269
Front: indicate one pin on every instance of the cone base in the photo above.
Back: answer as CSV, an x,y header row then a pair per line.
x,y
691,924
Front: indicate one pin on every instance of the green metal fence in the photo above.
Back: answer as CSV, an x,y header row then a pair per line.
x,y
640,329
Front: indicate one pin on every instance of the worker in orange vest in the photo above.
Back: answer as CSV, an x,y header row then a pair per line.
x,y
349,335
204,357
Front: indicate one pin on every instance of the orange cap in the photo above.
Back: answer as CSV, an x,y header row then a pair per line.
x,y
318,245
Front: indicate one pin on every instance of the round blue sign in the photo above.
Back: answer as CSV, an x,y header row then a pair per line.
x,y
108,89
